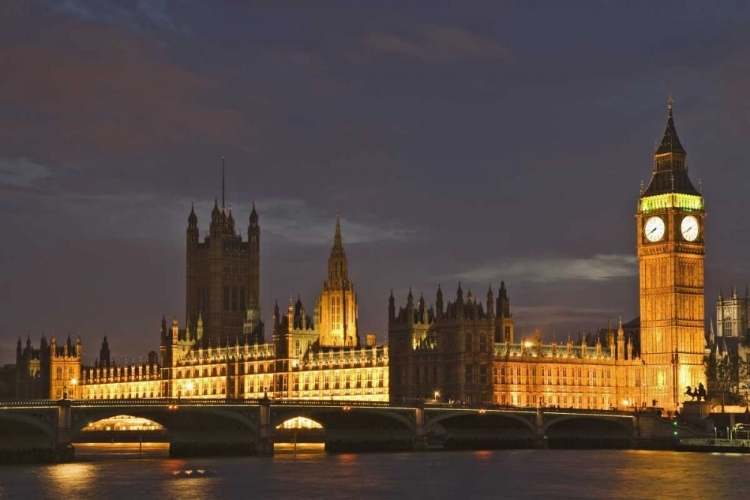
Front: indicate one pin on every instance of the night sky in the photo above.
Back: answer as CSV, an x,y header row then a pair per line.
x,y
467,141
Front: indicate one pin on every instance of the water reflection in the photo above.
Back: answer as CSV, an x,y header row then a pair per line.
x,y
72,480
587,474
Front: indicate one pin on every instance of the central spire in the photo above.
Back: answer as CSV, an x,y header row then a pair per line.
x,y
337,236
338,275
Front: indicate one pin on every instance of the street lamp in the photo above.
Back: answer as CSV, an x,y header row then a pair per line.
x,y
73,382
437,396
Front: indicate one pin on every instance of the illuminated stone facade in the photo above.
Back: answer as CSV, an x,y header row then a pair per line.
x,y
449,354
50,371
671,252
462,351
309,358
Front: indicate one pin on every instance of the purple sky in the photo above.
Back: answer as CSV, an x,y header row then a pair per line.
x,y
467,141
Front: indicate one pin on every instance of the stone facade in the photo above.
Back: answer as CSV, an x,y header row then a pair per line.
x,y
222,279
451,355
50,371
671,252
462,353
309,358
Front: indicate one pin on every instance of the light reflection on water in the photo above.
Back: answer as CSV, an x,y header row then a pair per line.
x,y
314,474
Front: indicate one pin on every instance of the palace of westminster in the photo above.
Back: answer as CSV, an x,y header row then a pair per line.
x,y
460,349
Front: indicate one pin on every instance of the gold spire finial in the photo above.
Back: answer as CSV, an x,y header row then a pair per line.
x,y
670,101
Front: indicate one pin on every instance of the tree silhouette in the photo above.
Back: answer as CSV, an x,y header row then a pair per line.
x,y
724,375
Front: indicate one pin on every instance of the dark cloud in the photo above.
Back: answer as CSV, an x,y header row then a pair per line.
x,y
99,89
134,14
501,141
436,43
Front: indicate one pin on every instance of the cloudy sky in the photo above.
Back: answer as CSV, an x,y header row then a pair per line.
x,y
459,140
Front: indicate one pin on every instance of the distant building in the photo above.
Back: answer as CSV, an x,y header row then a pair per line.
x,y
8,382
733,316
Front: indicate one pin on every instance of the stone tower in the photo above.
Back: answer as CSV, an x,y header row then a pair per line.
x,y
223,278
671,254
337,305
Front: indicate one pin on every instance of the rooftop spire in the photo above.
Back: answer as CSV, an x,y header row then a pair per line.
x,y
338,275
337,236
222,181
670,173
670,143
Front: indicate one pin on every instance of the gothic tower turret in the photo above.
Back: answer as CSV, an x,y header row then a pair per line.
x,y
504,326
671,252
104,356
337,304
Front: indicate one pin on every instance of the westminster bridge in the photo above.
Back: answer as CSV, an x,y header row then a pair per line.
x,y
250,427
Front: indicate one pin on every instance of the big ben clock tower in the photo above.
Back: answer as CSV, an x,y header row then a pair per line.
x,y
671,253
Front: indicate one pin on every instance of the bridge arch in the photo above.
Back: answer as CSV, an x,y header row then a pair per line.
x,y
487,416
625,423
335,416
588,431
171,419
24,421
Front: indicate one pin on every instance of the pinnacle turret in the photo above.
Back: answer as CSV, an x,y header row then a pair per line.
x,y
192,218
338,274
670,143
670,168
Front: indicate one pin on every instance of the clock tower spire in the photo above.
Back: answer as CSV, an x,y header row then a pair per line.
x,y
671,254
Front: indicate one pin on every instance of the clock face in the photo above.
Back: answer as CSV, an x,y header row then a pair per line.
x,y
654,229
689,228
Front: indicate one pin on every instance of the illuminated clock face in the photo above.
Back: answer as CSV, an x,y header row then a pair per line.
x,y
689,228
654,229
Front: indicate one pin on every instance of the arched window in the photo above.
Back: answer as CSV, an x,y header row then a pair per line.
x,y
226,298
335,313
727,327
243,299
59,373
234,298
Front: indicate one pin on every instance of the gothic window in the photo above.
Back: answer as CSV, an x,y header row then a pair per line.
x,y
469,374
483,374
469,344
297,350
727,327
335,313
234,298
243,299
482,342
226,298
59,373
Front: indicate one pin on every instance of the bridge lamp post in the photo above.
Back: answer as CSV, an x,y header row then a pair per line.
x,y
437,396
73,382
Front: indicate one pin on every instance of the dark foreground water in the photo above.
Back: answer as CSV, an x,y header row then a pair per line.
x,y
118,472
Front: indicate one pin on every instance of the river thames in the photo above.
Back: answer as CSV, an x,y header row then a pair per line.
x,y
119,472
